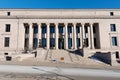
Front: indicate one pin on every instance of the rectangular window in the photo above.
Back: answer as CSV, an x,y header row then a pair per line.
x,y
8,13
77,29
44,29
27,29
117,55
35,30
60,29
6,41
52,29
86,29
114,41
7,29
113,27
111,14
69,29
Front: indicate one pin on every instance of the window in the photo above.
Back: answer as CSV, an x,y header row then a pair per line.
x,y
69,42
60,29
52,42
52,29
77,29
111,14
86,29
43,42
7,28
94,29
117,54
27,29
35,30
78,42
69,29
113,27
114,41
5,53
6,41
8,13
44,28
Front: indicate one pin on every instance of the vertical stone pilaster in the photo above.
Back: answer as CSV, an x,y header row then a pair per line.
x,y
83,35
30,36
66,37
92,36
89,39
48,36
56,36
74,36
39,33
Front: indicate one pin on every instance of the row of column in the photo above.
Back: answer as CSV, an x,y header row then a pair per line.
x,y
82,30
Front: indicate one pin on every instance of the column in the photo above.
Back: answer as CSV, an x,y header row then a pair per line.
x,y
30,36
92,36
89,39
48,36
83,36
66,37
56,36
39,34
74,36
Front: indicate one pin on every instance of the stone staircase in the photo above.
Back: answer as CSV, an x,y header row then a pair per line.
x,y
65,56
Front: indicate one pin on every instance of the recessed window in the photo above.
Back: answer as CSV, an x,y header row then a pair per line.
x,y
5,53
77,29
113,27
114,41
117,54
6,41
7,28
8,13
111,13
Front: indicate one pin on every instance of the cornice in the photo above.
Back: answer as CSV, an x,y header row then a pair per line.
x,y
60,17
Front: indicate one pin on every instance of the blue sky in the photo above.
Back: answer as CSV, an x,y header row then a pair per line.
x,y
59,3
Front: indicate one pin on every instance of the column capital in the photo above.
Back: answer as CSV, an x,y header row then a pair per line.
x,y
47,24
39,24
74,24
65,23
30,24
82,24
56,24
91,24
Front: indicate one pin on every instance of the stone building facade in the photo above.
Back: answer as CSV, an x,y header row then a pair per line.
x,y
89,30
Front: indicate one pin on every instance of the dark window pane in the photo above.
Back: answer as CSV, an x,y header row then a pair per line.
x,y
69,29
77,29
8,13
112,27
111,14
86,29
7,27
69,42
44,29
27,29
52,29
114,41
43,42
117,54
35,30
6,42
60,29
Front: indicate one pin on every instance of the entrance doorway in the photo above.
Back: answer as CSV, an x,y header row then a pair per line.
x,y
61,43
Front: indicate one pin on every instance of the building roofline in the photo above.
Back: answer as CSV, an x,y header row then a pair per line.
x,y
82,9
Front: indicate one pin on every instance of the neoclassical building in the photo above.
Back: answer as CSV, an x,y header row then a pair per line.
x,y
88,30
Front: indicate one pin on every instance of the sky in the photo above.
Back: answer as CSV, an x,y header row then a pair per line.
x,y
60,4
